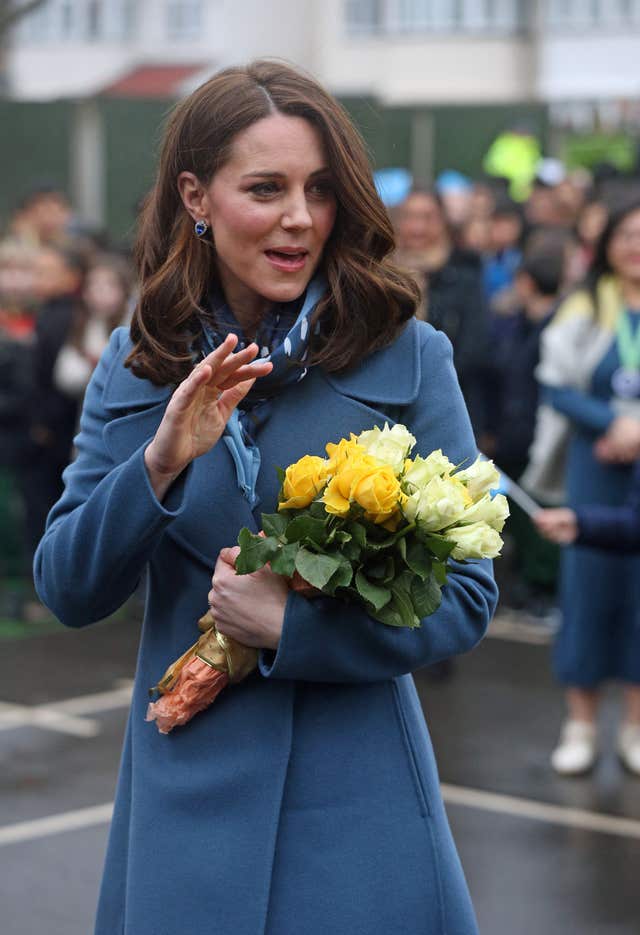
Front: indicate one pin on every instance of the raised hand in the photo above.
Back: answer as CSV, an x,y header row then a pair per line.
x,y
200,409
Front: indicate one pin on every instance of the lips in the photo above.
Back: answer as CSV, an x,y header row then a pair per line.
x,y
288,259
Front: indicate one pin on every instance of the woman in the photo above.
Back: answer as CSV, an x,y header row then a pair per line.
x,y
307,799
590,373
452,288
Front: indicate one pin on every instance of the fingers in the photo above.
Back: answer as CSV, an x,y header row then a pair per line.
x,y
229,555
232,397
228,368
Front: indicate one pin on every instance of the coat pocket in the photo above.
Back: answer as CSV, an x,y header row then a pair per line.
x,y
412,759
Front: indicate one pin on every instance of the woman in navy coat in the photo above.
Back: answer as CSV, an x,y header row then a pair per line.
x,y
590,376
617,530
306,799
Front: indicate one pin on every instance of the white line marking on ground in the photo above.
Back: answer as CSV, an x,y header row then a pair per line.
x,y
55,824
541,811
506,627
68,716
452,795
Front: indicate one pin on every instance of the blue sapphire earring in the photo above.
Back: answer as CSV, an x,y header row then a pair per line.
x,y
201,227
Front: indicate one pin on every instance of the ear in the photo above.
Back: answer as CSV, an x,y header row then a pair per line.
x,y
194,196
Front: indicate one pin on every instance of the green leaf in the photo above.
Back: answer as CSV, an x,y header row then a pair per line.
x,y
440,571
306,528
389,570
440,546
281,476
351,551
359,534
274,524
402,549
401,590
418,559
341,578
317,510
395,614
316,569
284,563
255,551
389,614
373,593
426,596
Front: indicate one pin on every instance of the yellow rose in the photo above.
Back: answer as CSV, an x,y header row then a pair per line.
x,y
303,482
334,501
346,448
353,466
377,490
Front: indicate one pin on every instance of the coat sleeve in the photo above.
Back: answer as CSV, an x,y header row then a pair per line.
x,y
612,527
589,412
89,561
615,528
324,640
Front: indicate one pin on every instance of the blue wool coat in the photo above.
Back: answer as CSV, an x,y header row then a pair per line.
x,y
306,799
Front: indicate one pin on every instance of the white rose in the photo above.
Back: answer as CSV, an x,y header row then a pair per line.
x,y
488,509
420,471
475,541
480,478
442,502
391,445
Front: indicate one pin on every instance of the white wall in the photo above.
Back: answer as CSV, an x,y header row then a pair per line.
x,y
415,69
590,66
234,31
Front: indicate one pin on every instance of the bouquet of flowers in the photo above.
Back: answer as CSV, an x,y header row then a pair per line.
x,y
366,524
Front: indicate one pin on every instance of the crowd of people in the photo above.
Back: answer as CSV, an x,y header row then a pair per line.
x,y
61,295
531,295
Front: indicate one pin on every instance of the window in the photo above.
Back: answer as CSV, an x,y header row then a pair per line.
x,y
363,16
80,20
443,16
184,19
591,14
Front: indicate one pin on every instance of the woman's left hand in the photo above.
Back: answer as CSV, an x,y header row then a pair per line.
x,y
249,608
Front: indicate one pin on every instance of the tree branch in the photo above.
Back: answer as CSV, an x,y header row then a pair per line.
x,y
10,14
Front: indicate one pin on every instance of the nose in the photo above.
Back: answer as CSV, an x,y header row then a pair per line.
x,y
296,215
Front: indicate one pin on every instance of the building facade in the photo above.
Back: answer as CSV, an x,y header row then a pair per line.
x,y
430,82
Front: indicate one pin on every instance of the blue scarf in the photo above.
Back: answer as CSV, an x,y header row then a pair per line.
x,y
283,338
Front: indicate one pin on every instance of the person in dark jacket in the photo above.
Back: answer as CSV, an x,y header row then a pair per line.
x,y
615,528
512,398
452,285
604,527
52,415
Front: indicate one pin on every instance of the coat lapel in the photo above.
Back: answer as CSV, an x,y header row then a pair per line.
x,y
323,407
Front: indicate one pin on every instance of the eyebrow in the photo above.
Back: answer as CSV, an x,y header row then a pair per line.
x,y
281,175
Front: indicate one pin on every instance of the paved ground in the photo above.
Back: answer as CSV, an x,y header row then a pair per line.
x,y
542,855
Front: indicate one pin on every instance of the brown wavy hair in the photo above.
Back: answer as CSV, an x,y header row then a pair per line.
x,y
368,300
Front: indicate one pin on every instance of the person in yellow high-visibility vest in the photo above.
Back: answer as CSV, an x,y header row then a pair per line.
x,y
514,155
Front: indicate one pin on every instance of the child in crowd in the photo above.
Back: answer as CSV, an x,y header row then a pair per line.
x,y
105,305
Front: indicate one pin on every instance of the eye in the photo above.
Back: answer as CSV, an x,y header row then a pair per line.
x,y
264,189
322,189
